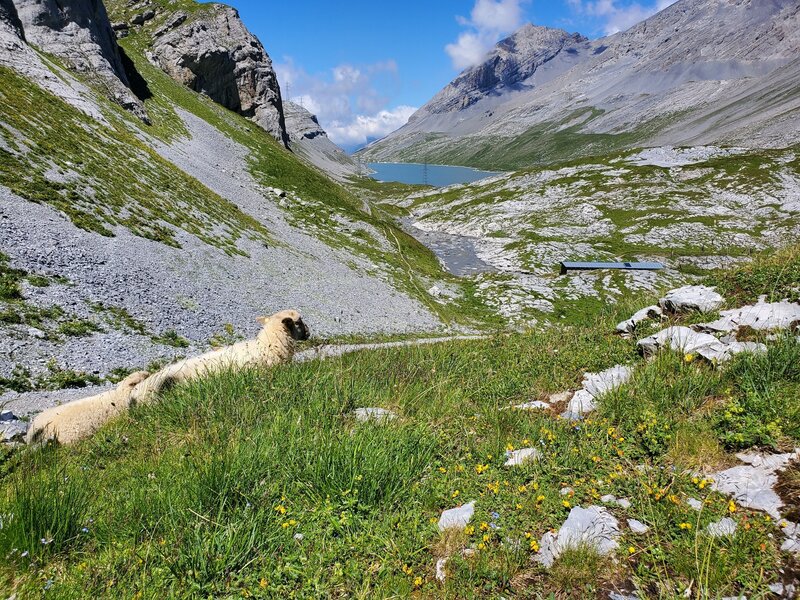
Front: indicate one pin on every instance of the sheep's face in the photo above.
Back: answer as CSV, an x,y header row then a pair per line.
x,y
292,321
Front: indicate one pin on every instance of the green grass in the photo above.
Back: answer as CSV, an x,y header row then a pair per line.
x,y
260,483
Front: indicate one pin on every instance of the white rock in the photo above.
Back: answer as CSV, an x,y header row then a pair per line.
x,y
457,518
624,503
637,526
725,527
566,491
691,297
679,338
763,316
373,414
792,542
534,405
582,403
601,383
521,456
717,354
629,326
441,573
594,527
752,485
695,504
608,499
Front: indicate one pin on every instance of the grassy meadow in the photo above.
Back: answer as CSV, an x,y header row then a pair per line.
x,y
261,484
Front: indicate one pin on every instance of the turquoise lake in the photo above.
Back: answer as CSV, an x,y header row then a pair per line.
x,y
419,174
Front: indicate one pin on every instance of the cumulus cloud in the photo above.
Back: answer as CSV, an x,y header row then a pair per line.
x,y
487,23
616,17
346,99
364,128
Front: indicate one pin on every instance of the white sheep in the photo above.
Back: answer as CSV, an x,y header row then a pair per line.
x,y
274,344
76,420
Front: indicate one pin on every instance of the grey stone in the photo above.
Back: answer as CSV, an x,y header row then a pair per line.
x,y
6,416
695,503
792,541
629,326
520,457
692,298
763,316
752,485
12,431
216,55
457,518
725,527
679,338
637,526
373,414
606,381
582,402
594,527
533,405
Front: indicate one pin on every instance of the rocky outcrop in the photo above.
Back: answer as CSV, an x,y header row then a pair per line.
x,y
214,53
512,61
9,20
79,32
308,139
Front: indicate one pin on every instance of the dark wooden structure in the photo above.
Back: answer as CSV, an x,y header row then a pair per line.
x,y
566,267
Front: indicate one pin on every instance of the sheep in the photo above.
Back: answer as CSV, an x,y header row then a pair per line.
x,y
76,420
274,344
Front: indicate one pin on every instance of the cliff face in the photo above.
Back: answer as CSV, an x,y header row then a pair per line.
x,y
215,54
512,61
308,139
9,20
79,32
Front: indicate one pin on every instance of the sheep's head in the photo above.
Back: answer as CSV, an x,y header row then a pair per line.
x,y
291,320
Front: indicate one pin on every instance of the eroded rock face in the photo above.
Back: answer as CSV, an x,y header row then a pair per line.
x,y
214,54
512,61
79,32
9,19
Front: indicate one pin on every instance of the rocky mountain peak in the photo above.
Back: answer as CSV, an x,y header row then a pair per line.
x,y
213,53
79,32
300,123
512,61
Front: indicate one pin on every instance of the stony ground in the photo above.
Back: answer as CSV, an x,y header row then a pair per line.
x,y
692,209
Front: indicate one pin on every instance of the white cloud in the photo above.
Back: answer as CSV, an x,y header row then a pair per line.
x,y
488,22
615,17
347,99
364,128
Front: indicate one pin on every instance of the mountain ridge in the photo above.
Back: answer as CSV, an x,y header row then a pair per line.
x,y
635,86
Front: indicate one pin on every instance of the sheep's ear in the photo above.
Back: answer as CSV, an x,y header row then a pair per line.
x,y
262,320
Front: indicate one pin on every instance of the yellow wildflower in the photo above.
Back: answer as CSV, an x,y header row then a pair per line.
x,y
479,468
566,503
417,581
509,447
534,545
442,470
685,525
263,583
281,509
731,506
407,570
484,526
688,358
631,549
540,498
522,489
455,494
469,529
481,546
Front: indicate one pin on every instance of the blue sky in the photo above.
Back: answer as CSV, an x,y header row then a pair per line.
x,y
364,66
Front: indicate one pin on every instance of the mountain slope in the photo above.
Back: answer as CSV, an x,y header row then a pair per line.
x,y
131,242
699,72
